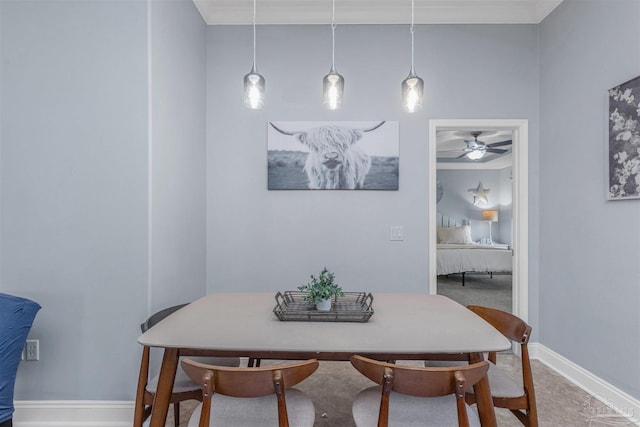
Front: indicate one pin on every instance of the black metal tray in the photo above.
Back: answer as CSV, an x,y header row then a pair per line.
x,y
352,307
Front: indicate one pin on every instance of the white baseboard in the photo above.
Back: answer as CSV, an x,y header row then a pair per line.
x,y
616,402
72,413
82,413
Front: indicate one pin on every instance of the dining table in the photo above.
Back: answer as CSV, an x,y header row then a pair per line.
x,y
404,326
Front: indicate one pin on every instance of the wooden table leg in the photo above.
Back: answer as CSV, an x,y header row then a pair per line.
x,y
483,397
165,385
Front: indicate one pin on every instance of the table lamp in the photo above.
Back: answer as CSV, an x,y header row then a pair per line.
x,y
490,216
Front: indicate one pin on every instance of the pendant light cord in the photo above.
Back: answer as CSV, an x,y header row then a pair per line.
x,y
254,34
333,34
413,29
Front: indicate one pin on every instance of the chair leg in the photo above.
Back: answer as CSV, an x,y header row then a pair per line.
x,y
139,413
176,414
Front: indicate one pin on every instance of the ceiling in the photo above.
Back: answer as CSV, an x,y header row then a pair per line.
x,y
229,12
450,145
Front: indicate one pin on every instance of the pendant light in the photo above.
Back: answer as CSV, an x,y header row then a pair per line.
x,y
254,83
412,86
333,83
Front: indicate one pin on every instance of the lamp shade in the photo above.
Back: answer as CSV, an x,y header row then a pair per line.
x,y
490,215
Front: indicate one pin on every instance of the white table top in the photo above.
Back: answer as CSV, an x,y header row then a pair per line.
x,y
401,323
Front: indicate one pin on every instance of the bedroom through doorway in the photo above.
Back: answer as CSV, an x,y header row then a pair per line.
x,y
476,212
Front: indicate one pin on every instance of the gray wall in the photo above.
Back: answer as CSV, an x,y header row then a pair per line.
x,y
457,201
75,183
178,147
272,240
87,219
589,269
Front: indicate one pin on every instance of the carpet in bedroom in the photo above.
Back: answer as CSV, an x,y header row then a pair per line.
x,y
479,289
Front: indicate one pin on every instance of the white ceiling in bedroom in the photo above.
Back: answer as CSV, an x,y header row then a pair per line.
x,y
227,12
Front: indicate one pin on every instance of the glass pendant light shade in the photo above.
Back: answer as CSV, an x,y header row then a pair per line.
x,y
254,86
333,88
412,86
254,83
412,91
333,83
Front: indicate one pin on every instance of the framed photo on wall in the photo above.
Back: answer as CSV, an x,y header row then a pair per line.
x,y
333,155
624,141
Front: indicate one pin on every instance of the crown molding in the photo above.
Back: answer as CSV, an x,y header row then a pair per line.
x,y
240,12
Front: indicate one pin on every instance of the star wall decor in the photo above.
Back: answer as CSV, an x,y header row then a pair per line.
x,y
480,196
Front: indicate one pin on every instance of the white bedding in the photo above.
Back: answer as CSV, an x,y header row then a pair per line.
x,y
457,258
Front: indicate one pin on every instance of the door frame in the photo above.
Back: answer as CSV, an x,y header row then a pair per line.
x,y
520,175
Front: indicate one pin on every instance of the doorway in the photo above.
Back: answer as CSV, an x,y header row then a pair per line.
x,y
519,131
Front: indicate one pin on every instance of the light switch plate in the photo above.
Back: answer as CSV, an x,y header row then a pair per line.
x,y
396,233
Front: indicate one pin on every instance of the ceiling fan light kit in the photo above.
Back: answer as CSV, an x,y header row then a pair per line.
x,y
476,154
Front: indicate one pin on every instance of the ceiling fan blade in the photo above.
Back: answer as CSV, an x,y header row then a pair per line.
x,y
496,150
500,144
453,151
461,156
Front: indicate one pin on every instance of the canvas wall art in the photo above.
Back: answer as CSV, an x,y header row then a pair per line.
x,y
624,141
333,155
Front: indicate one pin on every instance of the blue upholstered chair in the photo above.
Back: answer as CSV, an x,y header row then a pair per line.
x,y
16,317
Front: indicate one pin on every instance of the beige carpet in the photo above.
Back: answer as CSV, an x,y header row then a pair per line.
x,y
560,403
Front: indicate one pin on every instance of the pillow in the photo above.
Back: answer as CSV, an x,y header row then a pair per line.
x,y
460,235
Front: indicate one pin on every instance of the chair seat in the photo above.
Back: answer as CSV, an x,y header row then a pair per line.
x,y
183,383
257,411
409,411
501,384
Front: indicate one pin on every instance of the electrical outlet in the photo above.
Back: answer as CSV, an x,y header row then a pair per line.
x,y
32,350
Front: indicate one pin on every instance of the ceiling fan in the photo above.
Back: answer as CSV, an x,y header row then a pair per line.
x,y
475,149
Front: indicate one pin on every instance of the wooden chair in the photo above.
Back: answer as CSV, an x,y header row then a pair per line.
x,y
252,397
183,387
505,392
402,399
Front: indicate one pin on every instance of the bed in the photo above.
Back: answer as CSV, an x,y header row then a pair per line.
x,y
457,253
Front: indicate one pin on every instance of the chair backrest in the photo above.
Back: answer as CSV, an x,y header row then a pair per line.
x,y
160,315
247,382
519,331
509,325
421,382
16,318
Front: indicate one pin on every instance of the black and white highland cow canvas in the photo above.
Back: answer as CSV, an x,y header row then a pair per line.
x,y
333,155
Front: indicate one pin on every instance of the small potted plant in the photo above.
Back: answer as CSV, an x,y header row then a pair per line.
x,y
321,289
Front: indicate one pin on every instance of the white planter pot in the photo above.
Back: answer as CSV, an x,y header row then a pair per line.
x,y
324,305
